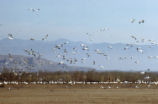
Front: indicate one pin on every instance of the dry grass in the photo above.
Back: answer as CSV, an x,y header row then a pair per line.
x,y
57,94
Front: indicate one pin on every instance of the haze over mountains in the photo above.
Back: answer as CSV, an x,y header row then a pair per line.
x,y
111,57
31,64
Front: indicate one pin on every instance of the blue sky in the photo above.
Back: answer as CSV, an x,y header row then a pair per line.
x,y
72,19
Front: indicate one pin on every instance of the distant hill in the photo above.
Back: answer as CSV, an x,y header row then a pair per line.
x,y
118,58
26,63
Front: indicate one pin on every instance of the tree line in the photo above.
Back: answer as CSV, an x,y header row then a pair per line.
x,y
66,76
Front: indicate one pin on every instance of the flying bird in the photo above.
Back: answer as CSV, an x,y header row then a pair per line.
x,y
132,20
10,36
132,36
34,10
139,50
94,62
32,39
46,36
141,21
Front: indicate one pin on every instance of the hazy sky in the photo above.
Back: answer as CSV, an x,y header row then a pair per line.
x,y
72,19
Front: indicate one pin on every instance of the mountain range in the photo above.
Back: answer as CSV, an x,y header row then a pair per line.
x,y
106,56
26,63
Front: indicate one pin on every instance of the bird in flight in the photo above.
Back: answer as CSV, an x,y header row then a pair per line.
x,y
10,36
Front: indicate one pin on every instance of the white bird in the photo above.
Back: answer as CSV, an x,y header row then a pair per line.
x,y
118,80
34,9
132,36
67,42
74,53
141,21
84,47
61,63
101,66
153,43
102,87
10,36
27,51
110,47
83,60
156,57
147,77
136,62
58,46
136,86
25,61
93,62
142,72
98,51
150,57
132,20
58,56
109,86
104,54
139,50
46,36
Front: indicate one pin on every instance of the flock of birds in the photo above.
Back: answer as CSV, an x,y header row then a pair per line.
x,y
140,21
34,10
62,53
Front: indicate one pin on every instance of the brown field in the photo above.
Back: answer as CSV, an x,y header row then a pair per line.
x,y
66,94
